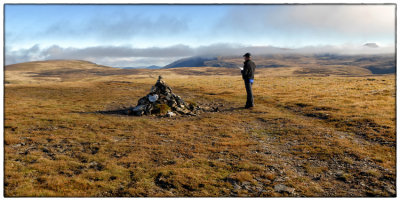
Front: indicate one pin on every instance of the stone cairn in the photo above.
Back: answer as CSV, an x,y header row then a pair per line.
x,y
161,101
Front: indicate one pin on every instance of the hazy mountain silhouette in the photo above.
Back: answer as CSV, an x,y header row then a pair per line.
x,y
197,61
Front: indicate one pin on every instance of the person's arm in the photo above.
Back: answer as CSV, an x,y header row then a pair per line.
x,y
252,68
246,70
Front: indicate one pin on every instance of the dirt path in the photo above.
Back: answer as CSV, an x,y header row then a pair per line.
x,y
311,157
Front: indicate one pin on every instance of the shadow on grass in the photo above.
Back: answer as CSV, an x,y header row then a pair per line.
x,y
120,112
127,112
117,112
232,109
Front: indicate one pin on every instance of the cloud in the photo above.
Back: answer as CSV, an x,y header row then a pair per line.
x,y
23,55
122,56
120,27
55,52
227,49
324,21
351,19
144,26
110,55
136,61
346,49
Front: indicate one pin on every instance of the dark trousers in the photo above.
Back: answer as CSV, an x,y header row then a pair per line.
x,y
250,100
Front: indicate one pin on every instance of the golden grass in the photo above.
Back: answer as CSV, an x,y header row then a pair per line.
x,y
322,136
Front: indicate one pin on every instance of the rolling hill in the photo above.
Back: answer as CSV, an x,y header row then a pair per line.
x,y
59,70
39,66
303,65
376,64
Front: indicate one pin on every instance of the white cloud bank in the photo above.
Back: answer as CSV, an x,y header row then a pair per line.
x,y
123,56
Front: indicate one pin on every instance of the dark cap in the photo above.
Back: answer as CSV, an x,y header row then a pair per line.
x,y
247,54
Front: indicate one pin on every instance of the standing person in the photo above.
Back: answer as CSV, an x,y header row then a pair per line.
x,y
249,68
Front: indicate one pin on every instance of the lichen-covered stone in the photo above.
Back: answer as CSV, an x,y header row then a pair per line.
x,y
161,101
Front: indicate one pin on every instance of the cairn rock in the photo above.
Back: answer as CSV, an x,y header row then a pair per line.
x,y
161,101
171,114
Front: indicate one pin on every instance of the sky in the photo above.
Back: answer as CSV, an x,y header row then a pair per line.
x,y
143,35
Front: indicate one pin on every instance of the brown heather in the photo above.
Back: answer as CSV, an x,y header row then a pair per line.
x,y
319,135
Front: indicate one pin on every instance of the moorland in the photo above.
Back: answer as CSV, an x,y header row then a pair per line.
x,y
317,129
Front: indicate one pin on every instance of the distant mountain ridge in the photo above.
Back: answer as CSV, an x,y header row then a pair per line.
x,y
154,67
377,64
325,63
372,45
143,67
197,61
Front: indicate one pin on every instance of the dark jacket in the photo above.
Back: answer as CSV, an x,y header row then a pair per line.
x,y
249,68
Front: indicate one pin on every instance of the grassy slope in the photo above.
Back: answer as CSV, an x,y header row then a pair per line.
x,y
322,64
36,66
322,136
